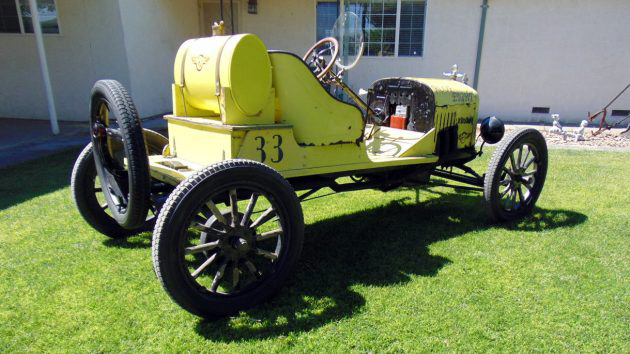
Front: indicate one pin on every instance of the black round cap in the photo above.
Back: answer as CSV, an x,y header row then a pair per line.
x,y
492,130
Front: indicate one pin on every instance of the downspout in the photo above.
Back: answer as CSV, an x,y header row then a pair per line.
x,y
344,57
232,16
39,40
482,31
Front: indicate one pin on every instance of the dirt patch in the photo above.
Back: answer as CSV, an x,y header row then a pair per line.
x,y
608,138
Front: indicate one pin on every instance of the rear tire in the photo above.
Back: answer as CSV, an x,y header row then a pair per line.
x,y
516,175
120,153
84,194
84,191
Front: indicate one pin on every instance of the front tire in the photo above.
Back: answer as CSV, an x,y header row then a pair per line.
x,y
516,175
215,257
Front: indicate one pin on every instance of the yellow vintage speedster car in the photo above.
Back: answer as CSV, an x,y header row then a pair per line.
x,y
250,128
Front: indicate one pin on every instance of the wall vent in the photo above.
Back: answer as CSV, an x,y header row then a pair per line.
x,y
620,112
544,110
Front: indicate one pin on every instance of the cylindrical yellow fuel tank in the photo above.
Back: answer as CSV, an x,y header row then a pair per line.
x,y
205,65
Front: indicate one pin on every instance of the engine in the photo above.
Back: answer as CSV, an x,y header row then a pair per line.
x,y
408,99
445,108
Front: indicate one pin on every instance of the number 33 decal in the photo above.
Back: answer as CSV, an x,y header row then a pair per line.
x,y
261,147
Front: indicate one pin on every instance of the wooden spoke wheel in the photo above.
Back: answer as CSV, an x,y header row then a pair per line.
x,y
516,175
227,238
89,197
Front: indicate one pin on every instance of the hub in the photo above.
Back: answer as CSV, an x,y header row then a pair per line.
x,y
99,130
241,245
237,243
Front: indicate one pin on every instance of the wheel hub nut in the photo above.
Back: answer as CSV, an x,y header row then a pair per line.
x,y
99,130
241,245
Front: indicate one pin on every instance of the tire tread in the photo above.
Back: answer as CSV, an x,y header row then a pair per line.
x,y
496,161
170,207
135,149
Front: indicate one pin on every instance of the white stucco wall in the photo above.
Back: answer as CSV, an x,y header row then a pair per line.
x,y
153,31
89,47
281,24
569,55
133,41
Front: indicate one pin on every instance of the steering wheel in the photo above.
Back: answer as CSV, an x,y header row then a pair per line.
x,y
316,55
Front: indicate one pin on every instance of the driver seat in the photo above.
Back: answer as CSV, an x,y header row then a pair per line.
x,y
318,118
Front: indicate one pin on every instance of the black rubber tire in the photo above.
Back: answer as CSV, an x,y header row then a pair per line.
x,y
531,138
174,220
84,195
82,186
134,182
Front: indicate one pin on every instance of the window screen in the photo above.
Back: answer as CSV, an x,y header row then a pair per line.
x,y
382,26
378,18
327,14
411,28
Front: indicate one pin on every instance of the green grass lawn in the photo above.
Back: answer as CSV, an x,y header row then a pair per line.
x,y
395,271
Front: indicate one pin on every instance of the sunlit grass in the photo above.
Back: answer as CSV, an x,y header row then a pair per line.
x,y
395,271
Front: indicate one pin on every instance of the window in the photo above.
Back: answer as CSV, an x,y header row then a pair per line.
x,y
411,40
392,27
327,13
9,22
15,16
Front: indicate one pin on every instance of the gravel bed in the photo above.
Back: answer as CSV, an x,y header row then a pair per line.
x,y
607,140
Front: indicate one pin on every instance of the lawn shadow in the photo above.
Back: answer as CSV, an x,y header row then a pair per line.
x,y
28,180
142,240
378,247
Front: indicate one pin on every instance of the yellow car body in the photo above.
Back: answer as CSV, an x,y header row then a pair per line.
x,y
232,99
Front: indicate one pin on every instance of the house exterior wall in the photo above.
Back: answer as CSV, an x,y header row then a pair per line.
x,y
132,41
569,55
89,47
281,24
451,31
290,26
153,30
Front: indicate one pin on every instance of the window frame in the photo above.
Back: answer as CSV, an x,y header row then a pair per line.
x,y
21,21
397,35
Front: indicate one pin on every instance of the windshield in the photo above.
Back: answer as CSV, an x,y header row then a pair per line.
x,y
349,33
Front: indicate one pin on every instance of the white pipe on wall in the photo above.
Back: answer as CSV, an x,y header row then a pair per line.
x,y
39,39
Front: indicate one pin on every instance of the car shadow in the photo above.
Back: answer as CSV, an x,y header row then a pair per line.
x,y
383,246
141,240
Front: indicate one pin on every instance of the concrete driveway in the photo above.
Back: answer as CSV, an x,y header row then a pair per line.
x,y
27,139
